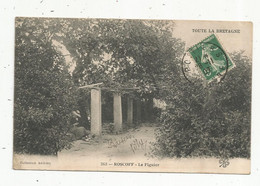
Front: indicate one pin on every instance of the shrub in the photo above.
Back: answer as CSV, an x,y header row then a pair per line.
x,y
193,137
208,122
44,92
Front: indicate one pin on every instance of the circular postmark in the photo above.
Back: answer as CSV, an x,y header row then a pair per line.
x,y
206,60
189,69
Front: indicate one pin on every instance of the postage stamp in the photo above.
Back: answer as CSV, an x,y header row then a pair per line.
x,y
211,58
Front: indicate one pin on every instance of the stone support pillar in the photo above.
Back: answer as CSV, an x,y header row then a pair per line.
x,y
129,111
96,120
118,112
138,111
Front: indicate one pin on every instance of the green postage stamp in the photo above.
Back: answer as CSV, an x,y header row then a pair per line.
x,y
211,58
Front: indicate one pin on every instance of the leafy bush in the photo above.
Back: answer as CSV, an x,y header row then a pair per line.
x,y
193,137
44,92
211,121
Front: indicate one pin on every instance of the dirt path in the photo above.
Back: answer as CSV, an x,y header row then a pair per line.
x,y
132,143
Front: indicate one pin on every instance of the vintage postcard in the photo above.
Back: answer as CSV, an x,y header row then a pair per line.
x,y
132,95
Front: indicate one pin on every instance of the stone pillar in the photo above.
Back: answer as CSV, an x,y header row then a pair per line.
x,y
130,111
96,122
118,112
138,111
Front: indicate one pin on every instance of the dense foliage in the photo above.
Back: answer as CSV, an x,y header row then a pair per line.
x,y
55,56
44,91
121,54
208,121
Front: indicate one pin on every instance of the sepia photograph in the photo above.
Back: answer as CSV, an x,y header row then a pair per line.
x,y
132,95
